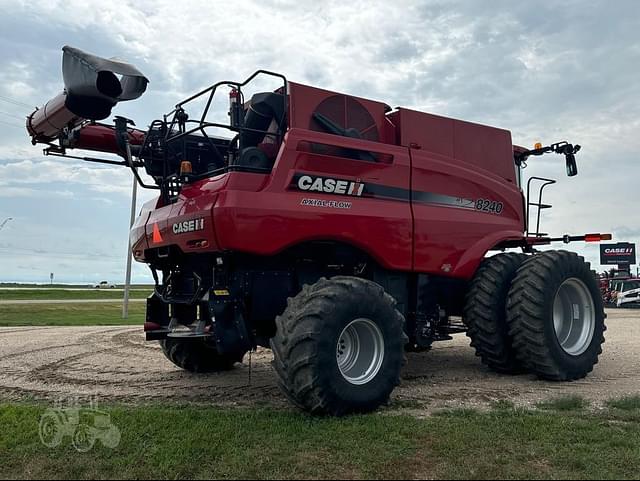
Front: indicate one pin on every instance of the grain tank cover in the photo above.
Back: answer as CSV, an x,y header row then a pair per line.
x,y
94,85
484,147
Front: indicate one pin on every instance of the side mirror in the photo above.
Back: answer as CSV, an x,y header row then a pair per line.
x,y
572,168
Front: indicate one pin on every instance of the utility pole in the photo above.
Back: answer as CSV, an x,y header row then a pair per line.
x,y
123,136
127,283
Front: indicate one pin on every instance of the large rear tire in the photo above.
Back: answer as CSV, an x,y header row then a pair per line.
x,y
556,316
485,312
339,347
196,356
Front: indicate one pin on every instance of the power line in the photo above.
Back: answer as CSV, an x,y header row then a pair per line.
x,y
11,125
11,115
15,102
66,255
5,222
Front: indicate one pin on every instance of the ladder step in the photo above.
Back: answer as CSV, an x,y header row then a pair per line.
x,y
189,335
442,337
157,335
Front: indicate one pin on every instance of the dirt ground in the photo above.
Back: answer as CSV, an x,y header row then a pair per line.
x,y
116,364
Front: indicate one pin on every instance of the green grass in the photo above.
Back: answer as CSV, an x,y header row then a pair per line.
x,y
64,286
199,442
94,314
564,404
503,404
630,403
59,294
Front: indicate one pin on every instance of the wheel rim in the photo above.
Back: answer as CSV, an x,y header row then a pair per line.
x,y
574,316
50,432
360,351
83,439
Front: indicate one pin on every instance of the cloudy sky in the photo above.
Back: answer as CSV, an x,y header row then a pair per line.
x,y
546,70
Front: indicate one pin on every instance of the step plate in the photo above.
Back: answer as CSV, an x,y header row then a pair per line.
x,y
189,335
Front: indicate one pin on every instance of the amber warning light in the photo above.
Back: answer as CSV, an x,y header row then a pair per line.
x,y
186,168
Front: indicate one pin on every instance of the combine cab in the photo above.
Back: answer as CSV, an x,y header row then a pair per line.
x,y
337,231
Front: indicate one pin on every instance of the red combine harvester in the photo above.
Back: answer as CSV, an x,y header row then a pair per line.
x,y
337,231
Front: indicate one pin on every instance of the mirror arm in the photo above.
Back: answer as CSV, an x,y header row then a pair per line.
x,y
565,148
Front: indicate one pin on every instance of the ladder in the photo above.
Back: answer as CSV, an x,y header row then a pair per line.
x,y
542,182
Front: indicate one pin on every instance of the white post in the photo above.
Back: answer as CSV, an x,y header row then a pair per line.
x,y
127,283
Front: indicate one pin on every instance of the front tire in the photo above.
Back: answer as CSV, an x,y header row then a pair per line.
x,y
485,312
198,357
556,316
51,429
83,439
339,347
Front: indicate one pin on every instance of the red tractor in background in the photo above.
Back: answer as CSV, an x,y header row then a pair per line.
x,y
337,231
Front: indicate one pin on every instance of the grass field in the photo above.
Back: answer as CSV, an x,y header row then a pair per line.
x,y
95,314
13,285
190,442
41,294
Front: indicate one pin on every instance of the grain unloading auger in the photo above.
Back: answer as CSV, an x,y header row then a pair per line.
x,y
92,87
337,231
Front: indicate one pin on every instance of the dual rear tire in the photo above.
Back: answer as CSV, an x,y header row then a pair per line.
x,y
556,316
541,314
485,312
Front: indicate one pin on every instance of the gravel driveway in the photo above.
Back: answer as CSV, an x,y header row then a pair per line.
x,y
116,364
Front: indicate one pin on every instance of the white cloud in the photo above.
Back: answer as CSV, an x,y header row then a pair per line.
x,y
115,180
30,192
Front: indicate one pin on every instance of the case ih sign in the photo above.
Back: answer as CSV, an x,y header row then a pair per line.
x,y
617,254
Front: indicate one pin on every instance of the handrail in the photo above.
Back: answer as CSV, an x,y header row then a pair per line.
x,y
176,125
212,90
545,182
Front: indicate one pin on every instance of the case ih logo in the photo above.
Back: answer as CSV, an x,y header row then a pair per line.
x,y
620,251
328,185
188,226
623,253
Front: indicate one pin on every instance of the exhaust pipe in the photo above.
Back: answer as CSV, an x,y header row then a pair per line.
x,y
92,87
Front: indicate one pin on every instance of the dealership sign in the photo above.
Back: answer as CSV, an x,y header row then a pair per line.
x,y
615,254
